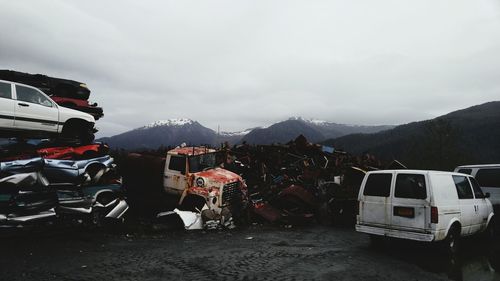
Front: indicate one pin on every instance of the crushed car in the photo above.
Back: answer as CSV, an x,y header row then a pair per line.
x,y
89,189
25,198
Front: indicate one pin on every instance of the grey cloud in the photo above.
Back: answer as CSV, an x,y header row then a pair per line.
x,y
241,64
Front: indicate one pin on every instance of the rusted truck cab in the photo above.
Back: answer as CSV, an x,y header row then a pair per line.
x,y
193,171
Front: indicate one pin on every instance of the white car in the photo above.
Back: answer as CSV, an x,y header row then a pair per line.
x,y
423,205
488,177
26,110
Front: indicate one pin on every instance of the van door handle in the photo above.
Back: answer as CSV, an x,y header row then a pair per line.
x,y
23,104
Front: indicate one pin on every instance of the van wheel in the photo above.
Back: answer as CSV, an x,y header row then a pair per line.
x,y
489,233
451,243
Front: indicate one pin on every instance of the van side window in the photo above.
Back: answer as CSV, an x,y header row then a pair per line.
x,y
378,185
478,193
463,187
410,186
177,164
5,91
465,171
488,177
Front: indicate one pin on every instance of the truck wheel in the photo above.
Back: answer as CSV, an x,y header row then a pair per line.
x,y
452,241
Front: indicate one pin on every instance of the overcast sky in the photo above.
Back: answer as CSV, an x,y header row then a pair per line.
x,y
241,64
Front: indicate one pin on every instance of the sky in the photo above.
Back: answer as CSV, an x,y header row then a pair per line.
x,y
241,64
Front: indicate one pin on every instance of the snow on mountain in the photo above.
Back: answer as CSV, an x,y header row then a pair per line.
x,y
312,121
170,122
232,134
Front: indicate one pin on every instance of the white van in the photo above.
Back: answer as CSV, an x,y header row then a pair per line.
x,y
423,205
488,177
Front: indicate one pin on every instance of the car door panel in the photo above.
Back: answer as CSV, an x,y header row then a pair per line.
x,y
7,106
467,204
482,210
35,111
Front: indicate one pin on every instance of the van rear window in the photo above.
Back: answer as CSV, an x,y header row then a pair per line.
x,y
378,185
488,177
410,186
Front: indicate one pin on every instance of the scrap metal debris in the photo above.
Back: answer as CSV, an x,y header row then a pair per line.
x,y
73,187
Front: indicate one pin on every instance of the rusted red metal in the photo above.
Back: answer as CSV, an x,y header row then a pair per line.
x,y
190,151
299,192
219,175
69,153
267,211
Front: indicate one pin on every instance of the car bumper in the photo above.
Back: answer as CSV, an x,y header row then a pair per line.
x,y
426,237
17,220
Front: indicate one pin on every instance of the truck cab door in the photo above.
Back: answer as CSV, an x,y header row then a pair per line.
x,y
174,177
7,106
34,110
410,203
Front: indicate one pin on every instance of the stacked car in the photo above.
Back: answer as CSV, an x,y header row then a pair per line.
x,y
73,182
49,165
67,93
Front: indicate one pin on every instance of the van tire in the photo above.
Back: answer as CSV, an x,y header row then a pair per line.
x,y
490,232
452,241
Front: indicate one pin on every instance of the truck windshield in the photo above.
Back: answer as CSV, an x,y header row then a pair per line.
x,y
200,162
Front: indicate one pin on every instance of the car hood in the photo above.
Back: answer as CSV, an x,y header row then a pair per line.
x,y
67,113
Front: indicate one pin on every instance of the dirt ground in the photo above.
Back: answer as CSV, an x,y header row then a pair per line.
x,y
254,253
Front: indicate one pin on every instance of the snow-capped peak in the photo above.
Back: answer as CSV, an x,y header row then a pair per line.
x,y
170,122
313,121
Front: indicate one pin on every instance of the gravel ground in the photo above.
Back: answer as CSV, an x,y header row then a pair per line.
x,y
254,253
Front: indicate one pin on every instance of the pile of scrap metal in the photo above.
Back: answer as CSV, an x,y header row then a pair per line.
x,y
300,182
76,183
67,93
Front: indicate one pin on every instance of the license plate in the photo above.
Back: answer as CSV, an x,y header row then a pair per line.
x,y
407,212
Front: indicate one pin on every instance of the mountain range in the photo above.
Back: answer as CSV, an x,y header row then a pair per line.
x,y
173,132
467,136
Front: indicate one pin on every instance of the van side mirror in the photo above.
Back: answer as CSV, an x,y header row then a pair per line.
x,y
487,195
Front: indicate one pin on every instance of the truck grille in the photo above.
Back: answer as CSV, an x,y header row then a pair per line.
x,y
230,193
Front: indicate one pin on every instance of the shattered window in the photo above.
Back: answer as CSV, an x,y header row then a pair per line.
x,y
177,164
378,185
200,162
410,186
5,91
463,187
488,177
